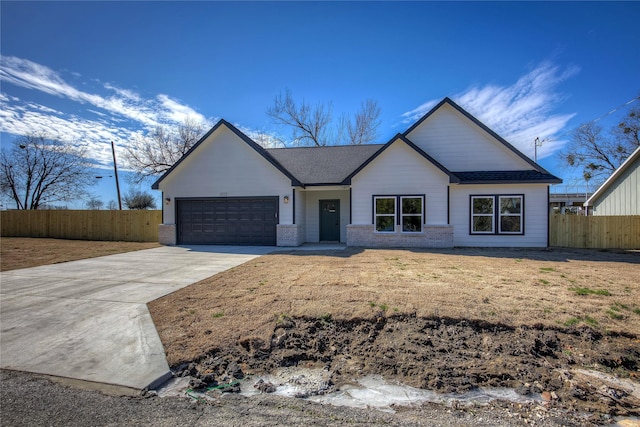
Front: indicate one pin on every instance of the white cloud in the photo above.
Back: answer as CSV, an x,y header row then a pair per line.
x,y
418,112
176,112
118,115
521,112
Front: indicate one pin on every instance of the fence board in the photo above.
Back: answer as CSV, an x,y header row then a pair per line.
x,y
596,232
128,226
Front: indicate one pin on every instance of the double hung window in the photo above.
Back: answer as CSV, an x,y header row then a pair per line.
x,y
497,214
385,213
405,212
411,213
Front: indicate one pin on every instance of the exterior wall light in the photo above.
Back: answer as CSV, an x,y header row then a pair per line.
x,y
285,199
167,200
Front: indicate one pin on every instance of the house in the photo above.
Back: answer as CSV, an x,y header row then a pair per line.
x,y
619,194
567,203
446,181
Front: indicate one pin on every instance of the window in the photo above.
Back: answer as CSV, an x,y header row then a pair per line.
x,y
385,214
510,214
411,214
502,214
482,214
408,214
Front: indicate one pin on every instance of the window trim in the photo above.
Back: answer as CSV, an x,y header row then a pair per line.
x,y
398,212
402,214
492,214
376,215
496,215
500,214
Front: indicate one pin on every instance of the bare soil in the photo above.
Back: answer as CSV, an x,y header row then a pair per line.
x,y
24,252
562,324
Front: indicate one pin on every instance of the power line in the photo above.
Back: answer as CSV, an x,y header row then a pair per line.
x,y
538,143
610,112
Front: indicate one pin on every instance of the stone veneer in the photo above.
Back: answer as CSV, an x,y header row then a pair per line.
x,y
432,236
167,234
289,235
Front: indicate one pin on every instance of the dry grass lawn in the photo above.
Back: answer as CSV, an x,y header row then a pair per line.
x,y
554,288
24,252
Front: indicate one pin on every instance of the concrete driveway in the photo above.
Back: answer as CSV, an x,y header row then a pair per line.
x,y
88,319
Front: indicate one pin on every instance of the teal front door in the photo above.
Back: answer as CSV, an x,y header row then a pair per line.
x,y
329,220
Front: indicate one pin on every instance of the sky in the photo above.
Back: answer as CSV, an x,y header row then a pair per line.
x,y
95,72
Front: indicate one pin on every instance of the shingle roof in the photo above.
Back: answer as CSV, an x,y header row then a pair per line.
x,y
495,177
323,165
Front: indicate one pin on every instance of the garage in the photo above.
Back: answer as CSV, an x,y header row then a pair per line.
x,y
228,221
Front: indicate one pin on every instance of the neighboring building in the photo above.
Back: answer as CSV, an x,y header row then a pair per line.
x,y
447,181
619,194
567,203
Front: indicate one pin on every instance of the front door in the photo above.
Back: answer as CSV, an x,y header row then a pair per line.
x,y
329,220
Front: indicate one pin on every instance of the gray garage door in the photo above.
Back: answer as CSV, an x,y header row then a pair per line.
x,y
228,221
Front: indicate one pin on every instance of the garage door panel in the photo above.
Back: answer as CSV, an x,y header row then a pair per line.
x,y
241,221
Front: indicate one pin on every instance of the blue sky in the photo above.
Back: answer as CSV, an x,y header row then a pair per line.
x,y
100,71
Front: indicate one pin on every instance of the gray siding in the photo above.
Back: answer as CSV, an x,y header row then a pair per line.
x,y
621,198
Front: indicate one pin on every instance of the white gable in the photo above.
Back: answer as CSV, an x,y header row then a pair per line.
x,y
400,170
224,165
461,145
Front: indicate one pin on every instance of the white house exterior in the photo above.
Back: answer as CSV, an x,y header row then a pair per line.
x,y
620,193
447,181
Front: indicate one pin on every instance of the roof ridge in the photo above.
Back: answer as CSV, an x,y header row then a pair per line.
x,y
326,146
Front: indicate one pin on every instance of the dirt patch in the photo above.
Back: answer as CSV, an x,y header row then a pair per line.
x,y
442,320
24,252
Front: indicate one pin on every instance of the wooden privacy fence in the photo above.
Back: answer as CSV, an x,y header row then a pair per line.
x,y
128,226
597,232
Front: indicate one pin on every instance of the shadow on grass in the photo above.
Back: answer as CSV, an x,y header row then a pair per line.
x,y
533,254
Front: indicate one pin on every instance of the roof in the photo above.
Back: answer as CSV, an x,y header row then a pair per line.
x,y
505,177
613,178
336,165
328,165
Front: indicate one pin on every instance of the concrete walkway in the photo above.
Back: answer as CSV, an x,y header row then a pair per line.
x,y
88,319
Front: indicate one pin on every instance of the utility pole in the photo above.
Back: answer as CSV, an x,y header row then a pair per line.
x,y
537,143
115,169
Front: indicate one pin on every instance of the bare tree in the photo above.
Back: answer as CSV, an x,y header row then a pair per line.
x,y
599,153
112,205
309,124
94,204
37,172
313,124
136,199
364,127
154,153
628,130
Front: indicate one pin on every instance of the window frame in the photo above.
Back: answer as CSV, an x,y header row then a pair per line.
x,y
397,222
376,214
497,215
492,214
421,215
500,215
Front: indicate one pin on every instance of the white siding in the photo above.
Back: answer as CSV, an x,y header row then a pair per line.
x,y
400,170
312,212
536,213
460,145
623,196
225,166
301,207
